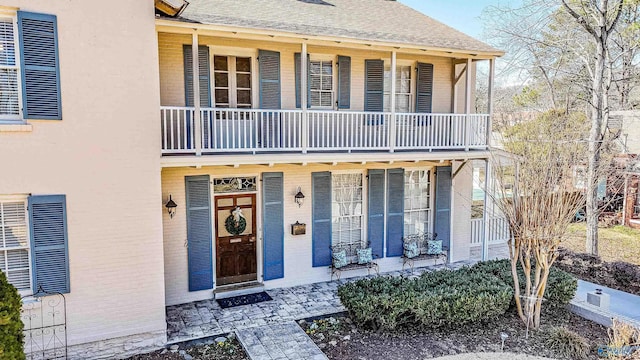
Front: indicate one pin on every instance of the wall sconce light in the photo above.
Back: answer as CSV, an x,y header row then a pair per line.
x,y
299,198
171,207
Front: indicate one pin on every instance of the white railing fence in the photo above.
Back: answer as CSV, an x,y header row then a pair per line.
x,y
498,230
255,130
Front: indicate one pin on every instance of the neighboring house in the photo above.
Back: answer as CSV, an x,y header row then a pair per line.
x,y
628,124
364,107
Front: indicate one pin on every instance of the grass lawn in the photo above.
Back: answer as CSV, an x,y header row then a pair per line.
x,y
617,243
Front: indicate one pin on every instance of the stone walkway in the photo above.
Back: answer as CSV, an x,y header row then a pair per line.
x,y
286,341
262,326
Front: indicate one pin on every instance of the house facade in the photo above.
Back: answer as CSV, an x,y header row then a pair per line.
x,y
178,155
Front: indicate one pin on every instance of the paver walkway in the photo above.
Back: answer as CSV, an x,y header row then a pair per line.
x,y
279,342
260,324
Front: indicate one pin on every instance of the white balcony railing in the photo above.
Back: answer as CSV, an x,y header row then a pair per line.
x,y
255,131
498,230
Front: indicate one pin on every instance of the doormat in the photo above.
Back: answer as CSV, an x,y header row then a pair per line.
x,y
244,300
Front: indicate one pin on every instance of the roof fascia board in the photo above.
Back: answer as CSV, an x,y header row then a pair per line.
x,y
170,26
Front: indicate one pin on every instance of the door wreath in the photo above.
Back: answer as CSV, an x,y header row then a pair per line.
x,y
235,223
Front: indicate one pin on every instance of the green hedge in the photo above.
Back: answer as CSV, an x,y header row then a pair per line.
x,y
561,286
435,299
10,324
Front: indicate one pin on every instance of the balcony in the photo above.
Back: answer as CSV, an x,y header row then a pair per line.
x,y
255,131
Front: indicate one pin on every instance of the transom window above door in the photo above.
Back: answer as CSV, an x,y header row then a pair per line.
x,y
321,83
232,81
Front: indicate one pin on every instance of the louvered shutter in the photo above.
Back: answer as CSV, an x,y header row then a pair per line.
x,y
298,73
199,248
374,85
321,227
39,65
49,243
395,212
269,62
442,221
273,223
204,69
424,84
344,82
376,212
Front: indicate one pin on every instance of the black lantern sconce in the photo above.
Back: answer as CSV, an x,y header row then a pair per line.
x,y
299,198
171,207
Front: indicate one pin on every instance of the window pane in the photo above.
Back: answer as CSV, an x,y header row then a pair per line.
x,y
7,44
221,79
315,98
327,83
9,92
402,103
326,99
220,63
244,97
315,82
243,64
244,81
222,96
327,68
314,67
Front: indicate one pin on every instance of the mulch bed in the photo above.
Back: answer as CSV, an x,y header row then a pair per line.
x,y
618,275
205,349
341,339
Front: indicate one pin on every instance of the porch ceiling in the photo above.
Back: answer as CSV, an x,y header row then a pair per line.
x,y
320,158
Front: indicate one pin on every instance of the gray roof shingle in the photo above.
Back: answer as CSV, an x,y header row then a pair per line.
x,y
372,20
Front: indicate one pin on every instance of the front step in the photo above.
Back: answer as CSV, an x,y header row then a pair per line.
x,y
227,291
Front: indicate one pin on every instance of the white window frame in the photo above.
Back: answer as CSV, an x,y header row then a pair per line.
x,y
411,93
4,250
19,118
363,212
234,52
324,58
430,209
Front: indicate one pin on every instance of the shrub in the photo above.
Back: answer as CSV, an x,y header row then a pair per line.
x,y
10,324
561,286
435,299
567,344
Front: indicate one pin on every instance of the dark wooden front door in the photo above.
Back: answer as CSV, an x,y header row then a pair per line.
x,y
235,238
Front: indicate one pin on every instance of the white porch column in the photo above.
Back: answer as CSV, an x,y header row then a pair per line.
x,y
467,105
492,75
197,125
304,97
485,211
392,103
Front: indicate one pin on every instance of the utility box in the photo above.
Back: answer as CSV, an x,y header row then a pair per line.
x,y
599,299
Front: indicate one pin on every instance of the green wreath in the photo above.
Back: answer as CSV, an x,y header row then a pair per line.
x,y
233,227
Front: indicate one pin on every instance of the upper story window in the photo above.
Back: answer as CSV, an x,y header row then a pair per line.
x,y
232,81
403,88
9,71
321,83
29,68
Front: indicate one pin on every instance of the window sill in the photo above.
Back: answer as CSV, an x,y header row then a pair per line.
x,y
16,127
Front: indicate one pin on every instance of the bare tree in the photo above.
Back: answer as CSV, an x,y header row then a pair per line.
x,y
535,193
599,18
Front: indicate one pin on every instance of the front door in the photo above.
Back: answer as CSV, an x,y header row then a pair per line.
x,y
235,238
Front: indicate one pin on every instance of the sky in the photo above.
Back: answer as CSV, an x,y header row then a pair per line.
x,y
463,15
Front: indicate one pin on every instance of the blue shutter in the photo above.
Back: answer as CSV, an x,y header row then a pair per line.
x,y
442,221
374,85
321,227
273,223
39,65
204,69
200,260
344,82
49,243
395,212
298,74
269,73
424,85
376,212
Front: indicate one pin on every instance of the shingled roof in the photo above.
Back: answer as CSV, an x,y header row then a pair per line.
x,y
367,20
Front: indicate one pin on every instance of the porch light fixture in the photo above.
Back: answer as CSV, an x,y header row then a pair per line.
x,y
171,207
299,198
